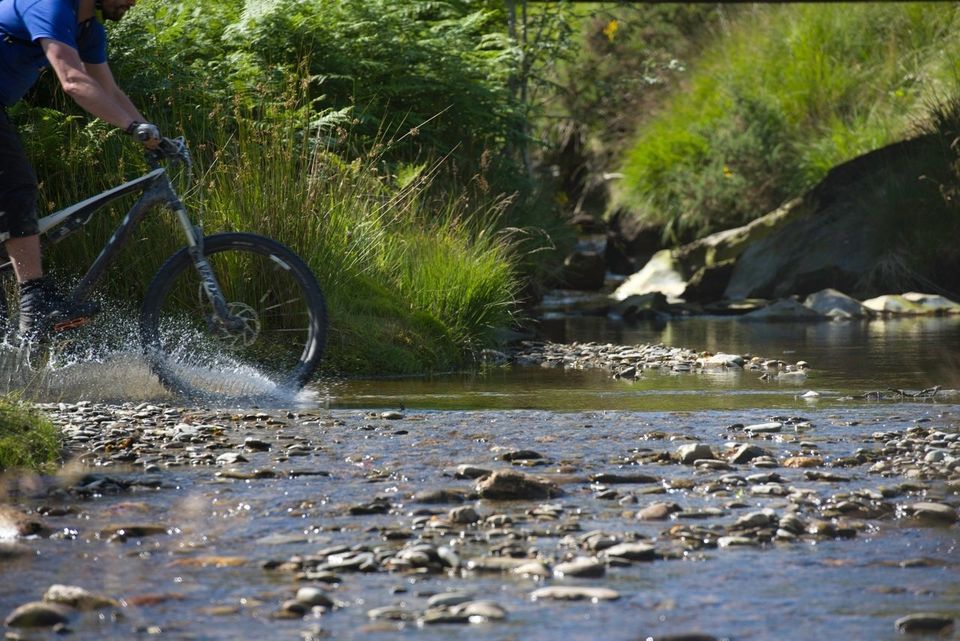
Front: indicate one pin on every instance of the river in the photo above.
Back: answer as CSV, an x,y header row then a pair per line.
x,y
239,507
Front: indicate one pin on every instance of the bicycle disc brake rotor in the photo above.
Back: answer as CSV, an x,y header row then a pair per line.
x,y
247,328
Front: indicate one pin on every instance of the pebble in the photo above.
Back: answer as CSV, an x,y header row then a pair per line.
x,y
924,622
937,512
574,593
581,567
313,597
39,614
79,598
513,485
657,511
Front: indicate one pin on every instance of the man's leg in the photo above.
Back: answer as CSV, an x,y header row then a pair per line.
x,y
25,254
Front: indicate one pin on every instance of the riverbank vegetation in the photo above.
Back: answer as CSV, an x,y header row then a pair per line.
x,y
27,439
778,95
425,157
377,139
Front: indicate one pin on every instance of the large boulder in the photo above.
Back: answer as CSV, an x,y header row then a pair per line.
x,y
699,271
842,237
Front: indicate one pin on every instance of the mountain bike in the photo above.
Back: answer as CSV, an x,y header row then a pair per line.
x,y
233,303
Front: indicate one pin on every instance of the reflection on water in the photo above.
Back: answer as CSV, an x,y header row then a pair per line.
x,y
907,352
847,359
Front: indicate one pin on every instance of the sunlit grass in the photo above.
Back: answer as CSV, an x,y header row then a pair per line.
x,y
416,274
782,95
27,439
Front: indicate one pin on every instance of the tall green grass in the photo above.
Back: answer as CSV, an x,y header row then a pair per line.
x,y
417,275
784,93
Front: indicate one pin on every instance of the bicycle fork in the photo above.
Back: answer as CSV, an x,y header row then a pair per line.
x,y
208,280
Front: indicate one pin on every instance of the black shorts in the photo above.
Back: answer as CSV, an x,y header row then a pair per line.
x,y
18,185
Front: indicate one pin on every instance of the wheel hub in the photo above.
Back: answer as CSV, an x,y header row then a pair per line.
x,y
242,328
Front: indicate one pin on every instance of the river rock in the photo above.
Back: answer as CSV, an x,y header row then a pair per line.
x,y
582,566
764,428
803,461
479,611
836,305
746,453
39,614
721,361
911,304
931,511
447,599
924,622
78,598
691,452
313,597
663,273
463,515
511,485
533,569
659,511
573,593
785,309
391,613
632,551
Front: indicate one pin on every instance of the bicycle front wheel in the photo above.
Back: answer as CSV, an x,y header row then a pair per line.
x,y
278,320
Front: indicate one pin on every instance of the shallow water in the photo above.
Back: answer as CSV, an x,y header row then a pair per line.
x,y
845,359
583,422
835,589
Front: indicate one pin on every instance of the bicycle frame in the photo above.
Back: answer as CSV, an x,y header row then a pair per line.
x,y
156,190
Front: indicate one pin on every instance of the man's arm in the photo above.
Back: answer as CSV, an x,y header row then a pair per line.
x,y
102,74
85,85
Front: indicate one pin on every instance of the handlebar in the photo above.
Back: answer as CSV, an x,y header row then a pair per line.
x,y
171,150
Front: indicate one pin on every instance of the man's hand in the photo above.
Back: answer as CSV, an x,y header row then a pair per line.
x,y
148,134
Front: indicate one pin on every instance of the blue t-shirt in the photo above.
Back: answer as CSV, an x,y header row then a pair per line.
x,y
23,23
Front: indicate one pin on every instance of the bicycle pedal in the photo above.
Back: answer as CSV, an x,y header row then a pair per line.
x,y
74,323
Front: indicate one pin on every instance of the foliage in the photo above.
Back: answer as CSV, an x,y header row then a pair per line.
x,y
27,439
375,138
784,94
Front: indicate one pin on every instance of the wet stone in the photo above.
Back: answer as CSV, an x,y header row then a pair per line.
x,y
771,427
632,551
39,614
573,593
924,622
935,512
690,453
77,597
582,567
511,485
658,511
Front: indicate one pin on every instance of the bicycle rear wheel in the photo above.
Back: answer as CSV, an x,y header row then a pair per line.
x,y
275,349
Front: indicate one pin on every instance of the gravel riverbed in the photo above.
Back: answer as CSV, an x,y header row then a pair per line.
x,y
192,523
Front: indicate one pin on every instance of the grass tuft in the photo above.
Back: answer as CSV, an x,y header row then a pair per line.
x,y
27,439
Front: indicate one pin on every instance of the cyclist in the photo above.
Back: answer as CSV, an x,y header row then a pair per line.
x,y
69,37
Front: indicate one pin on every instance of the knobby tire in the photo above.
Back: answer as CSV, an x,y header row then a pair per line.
x,y
263,281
